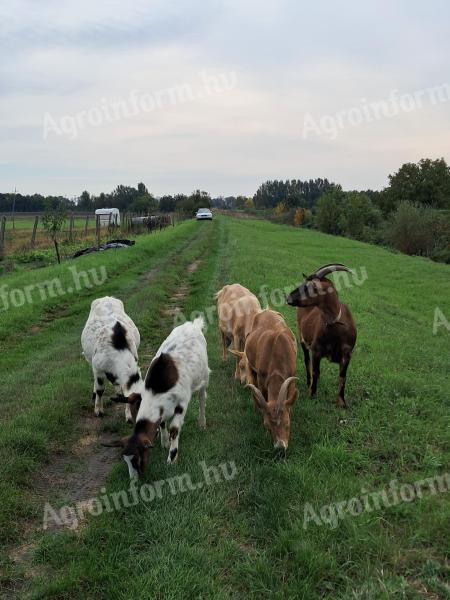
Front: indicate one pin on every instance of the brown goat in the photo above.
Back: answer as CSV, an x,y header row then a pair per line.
x,y
326,326
270,358
236,308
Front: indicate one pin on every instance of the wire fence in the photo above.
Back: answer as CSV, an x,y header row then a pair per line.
x,y
26,232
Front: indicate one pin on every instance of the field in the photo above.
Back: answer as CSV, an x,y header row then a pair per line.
x,y
22,246
245,536
18,237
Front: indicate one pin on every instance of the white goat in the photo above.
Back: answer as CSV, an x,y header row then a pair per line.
x,y
110,342
179,368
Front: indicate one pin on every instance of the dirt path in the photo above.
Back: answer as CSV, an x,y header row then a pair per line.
x,y
77,475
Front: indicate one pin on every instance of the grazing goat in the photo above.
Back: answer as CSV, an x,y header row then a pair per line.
x,y
236,309
326,326
110,342
270,358
179,368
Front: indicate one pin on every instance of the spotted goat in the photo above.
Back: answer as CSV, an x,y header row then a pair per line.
x,y
178,370
110,342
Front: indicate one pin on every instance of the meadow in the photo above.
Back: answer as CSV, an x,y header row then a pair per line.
x,y
246,536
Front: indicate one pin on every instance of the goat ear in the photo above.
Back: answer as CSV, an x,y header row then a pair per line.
x,y
134,398
304,276
236,353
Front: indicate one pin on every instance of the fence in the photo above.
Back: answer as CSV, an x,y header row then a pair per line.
x,y
27,233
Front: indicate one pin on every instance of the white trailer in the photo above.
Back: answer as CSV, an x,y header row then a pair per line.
x,y
108,216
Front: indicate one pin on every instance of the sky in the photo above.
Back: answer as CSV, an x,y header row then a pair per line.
x,y
219,95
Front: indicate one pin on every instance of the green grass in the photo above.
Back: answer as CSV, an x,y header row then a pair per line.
x,y
27,222
245,538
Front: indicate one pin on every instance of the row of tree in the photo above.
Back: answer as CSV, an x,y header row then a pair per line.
x,y
125,198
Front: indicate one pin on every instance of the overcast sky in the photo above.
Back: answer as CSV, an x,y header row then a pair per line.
x,y
88,92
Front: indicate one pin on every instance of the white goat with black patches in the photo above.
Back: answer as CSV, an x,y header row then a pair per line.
x,y
110,342
179,369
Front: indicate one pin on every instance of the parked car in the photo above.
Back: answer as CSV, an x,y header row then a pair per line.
x,y
203,213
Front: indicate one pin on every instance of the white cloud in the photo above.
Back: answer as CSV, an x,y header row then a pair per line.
x,y
289,59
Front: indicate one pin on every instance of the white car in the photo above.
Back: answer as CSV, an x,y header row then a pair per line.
x,y
203,213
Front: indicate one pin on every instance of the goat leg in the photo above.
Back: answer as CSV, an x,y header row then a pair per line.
x,y
343,365
307,364
225,344
315,373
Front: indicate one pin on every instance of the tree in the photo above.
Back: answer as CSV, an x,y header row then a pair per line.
x,y
200,199
280,208
249,205
144,204
142,190
53,221
299,216
239,202
426,182
409,230
292,192
329,211
85,202
167,204
358,213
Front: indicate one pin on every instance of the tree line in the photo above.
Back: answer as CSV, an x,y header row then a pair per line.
x,y
410,214
125,198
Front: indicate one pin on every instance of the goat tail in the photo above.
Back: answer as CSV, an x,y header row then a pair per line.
x,y
199,322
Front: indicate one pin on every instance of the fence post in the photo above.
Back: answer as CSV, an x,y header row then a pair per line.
x,y
72,218
86,225
33,235
97,230
2,238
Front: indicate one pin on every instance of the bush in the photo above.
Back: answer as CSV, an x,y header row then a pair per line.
x,y
417,230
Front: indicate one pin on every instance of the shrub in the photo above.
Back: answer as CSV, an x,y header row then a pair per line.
x,y
419,230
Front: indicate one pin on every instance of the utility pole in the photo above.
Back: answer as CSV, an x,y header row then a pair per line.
x,y
14,208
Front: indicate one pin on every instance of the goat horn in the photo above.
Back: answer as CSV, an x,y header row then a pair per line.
x,y
282,395
256,392
327,269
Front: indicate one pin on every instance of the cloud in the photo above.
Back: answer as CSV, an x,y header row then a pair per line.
x,y
290,59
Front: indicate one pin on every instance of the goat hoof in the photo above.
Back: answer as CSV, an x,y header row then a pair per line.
x,y
130,421
99,413
202,423
340,403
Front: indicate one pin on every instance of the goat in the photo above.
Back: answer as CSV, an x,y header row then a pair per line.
x,y
236,309
179,368
110,341
326,326
270,359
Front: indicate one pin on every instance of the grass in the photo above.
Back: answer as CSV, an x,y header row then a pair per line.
x,y
27,222
245,537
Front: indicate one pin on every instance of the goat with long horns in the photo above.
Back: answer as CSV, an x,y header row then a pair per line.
x,y
326,326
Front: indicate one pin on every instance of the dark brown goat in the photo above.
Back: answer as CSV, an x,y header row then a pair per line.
x,y
326,326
